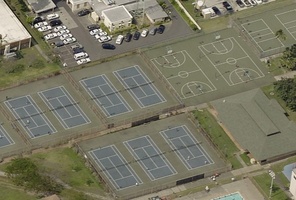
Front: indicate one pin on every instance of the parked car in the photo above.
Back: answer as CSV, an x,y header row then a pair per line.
x,y
216,10
99,34
160,29
153,31
227,6
44,28
58,43
128,37
108,46
144,33
64,36
94,31
247,3
55,22
83,61
76,46
119,39
79,56
252,2
59,28
137,35
78,50
37,20
83,12
240,3
93,26
52,16
40,24
50,36
69,40
62,32
103,39
259,1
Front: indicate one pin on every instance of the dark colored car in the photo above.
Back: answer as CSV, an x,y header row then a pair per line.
x,y
160,29
137,35
58,43
78,50
93,26
83,12
227,6
128,37
153,31
108,46
37,20
240,3
55,22
216,10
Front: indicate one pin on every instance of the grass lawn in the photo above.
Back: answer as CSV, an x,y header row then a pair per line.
x,y
218,136
245,158
278,168
29,55
271,94
65,164
264,181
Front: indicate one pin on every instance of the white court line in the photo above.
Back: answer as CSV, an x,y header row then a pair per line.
x,y
258,36
223,63
212,44
56,113
123,161
284,24
259,30
7,136
148,81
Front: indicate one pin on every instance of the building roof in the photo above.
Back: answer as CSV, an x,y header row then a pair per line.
x,y
11,29
152,8
118,13
258,124
40,6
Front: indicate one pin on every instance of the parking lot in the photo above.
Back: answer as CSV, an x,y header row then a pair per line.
x,y
78,27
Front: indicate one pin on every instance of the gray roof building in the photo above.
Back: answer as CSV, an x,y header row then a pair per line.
x,y
116,14
39,6
258,124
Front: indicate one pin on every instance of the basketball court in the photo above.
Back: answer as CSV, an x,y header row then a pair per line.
x,y
5,139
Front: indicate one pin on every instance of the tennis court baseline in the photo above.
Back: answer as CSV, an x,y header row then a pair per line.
x,y
105,95
30,116
139,86
66,110
152,161
5,139
186,147
115,167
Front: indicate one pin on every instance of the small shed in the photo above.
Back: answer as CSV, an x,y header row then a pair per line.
x,y
207,13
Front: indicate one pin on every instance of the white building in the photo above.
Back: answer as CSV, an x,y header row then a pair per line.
x,y
293,183
14,34
116,17
77,5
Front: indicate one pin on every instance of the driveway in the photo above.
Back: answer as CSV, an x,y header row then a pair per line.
x,y
174,30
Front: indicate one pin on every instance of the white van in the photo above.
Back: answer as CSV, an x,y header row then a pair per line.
x,y
80,55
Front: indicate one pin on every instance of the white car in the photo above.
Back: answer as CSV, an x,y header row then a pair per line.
x,y
144,33
83,61
62,32
59,28
44,28
259,1
94,32
50,36
40,24
52,16
69,40
63,37
119,39
100,34
104,39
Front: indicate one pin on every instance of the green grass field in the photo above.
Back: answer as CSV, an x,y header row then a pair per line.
x,y
264,182
219,137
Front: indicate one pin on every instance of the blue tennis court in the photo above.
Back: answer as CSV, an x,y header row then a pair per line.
x,y
139,86
66,110
152,161
105,95
5,139
115,167
33,120
186,147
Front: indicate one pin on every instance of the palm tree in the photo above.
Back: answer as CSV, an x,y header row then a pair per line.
x,y
280,34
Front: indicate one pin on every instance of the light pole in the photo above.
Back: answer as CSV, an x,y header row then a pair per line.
x,y
272,175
